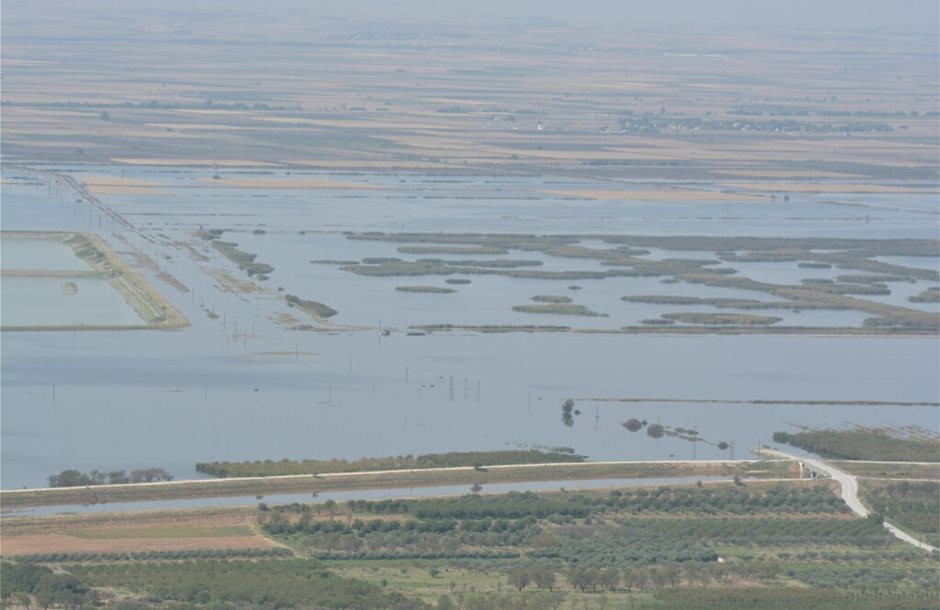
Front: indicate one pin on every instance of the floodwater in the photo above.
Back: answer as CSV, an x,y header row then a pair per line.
x,y
61,299
46,301
39,253
240,386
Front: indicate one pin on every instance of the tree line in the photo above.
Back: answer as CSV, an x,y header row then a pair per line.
x,y
75,478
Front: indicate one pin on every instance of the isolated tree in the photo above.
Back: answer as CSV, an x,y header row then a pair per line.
x,y
445,603
718,572
555,599
543,576
582,578
566,408
636,578
609,578
633,424
697,573
519,577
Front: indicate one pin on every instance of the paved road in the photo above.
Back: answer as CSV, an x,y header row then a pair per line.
x,y
849,484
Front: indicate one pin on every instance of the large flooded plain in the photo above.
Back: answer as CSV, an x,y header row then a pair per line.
x,y
253,378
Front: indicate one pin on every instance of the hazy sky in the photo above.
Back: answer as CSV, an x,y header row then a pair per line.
x,y
914,15
922,15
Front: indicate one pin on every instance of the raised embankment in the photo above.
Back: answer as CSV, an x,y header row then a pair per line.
x,y
387,479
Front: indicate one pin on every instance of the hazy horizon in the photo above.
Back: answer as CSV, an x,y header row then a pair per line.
x,y
922,16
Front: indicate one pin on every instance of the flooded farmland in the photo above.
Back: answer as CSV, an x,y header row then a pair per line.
x,y
255,378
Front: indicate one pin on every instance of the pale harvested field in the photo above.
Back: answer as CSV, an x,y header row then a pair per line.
x,y
126,190
114,185
646,195
784,174
199,126
54,146
92,181
377,104
827,188
367,121
192,162
287,183
130,532
214,112
354,164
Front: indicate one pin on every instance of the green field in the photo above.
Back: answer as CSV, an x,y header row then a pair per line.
x,y
699,546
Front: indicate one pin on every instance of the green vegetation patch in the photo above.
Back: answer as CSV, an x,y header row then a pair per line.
x,y
548,298
567,309
463,250
770,531
608,545
921,322
728,303
891,470
781,598
722,319
406,462
864,444
492,328
26,580
630,546
279,583
426,289
561,529
910,505
244,260
74,478
930,295
313,308
728,500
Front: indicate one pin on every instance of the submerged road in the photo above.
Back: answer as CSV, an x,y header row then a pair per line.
x,y
849,484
